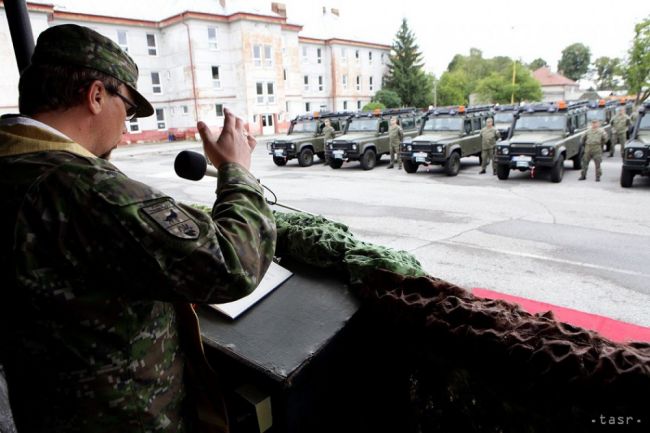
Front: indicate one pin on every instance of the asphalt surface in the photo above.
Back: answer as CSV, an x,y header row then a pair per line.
x,y
581,245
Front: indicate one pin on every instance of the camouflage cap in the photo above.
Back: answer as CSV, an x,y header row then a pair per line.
x,y
70,44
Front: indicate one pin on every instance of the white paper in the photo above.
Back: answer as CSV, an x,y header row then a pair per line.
x,y
274,276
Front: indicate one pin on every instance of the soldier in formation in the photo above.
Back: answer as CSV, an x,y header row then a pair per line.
x,y
593,140
328,134
489,137
395,137
620,124
92,261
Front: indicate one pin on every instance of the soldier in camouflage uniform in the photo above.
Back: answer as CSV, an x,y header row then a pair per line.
x,y
489,137
395,137
620,123
328,134
92,260
593,140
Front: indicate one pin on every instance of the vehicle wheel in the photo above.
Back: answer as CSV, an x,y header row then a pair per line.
x,y
452,166
503,171
368,159
336,163
577,160
627,177
321,155
279,161
409,166
557,171
306,157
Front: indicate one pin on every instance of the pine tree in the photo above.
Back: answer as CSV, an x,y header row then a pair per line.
x,y
405,75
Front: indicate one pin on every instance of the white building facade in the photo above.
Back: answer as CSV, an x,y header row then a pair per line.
x,y
193,64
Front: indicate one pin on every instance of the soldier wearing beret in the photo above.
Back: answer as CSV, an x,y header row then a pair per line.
x,y
92,262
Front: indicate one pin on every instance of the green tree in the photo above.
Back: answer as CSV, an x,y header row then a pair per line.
x,y
389,98
637,69
537,63
575,61
606,69
498,88
405,75
453,88
370,106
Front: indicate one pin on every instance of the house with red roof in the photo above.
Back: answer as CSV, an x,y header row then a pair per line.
x,y
556,86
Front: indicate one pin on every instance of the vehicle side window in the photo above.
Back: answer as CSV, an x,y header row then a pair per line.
x,y
468,126
570,124
408,123
582,120
383,126
336,125
476,124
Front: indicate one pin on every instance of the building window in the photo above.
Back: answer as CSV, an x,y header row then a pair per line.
x,y
358,105
270,95
307,107
345,105
356,55
151,44
344,55
133,125
319,58
345,82
370,84
259,86
370,57
160,118
306,81
304,54
216,81
320,83
358,82
122,40
268,59
257,55
383,58
185,109
284,74
212,38
156,87
219,109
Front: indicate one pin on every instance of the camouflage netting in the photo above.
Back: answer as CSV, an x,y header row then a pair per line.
x,y
479,364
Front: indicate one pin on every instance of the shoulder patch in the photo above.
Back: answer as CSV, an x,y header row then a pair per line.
x,y
172,219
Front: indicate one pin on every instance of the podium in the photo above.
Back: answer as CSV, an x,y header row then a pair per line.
x,y
314,352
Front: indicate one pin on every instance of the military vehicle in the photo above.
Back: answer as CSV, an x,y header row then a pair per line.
x,y
446,135
366,137
636,155
603,111
503,117
544,135
305,138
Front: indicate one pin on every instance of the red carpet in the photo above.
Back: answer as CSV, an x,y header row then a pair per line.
x,y
609,328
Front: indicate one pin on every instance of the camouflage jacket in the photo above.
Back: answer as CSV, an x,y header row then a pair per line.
x,y
328,133
489,137
620,122
594,139
395,135
90,261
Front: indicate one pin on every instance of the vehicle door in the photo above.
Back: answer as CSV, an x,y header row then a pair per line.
x,y
471,145
382,141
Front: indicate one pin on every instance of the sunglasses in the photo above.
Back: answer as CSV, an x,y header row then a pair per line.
x,y
130,107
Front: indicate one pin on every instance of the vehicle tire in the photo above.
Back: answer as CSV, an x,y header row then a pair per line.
x,y
306,157
336,163
577,160
503,171
409,166
627,177
368,159
557,171
452,166
280,162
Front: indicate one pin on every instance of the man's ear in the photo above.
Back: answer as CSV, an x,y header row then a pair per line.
x,y
95,97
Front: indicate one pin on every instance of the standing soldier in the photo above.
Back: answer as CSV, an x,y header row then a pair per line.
x,y
489,137
620,123
593,141
328,134
395,137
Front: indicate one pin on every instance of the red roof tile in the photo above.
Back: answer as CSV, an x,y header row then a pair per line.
x,y
548,78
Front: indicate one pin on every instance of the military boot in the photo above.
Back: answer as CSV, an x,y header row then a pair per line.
x,y
482,171
582,177
390,166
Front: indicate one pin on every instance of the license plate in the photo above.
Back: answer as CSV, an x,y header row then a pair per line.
x,y
522,164
338,154
522,158
278,152
420,154
420,159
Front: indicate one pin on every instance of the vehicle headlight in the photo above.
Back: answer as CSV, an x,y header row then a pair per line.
x,y
293,146
505,150
354,147
544,152
329,145
409,148
439,149
638,153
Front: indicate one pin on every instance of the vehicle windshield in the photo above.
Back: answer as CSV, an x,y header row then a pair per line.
x,y
443,124
541,123
503,117
645,122
305,126
363,125
596,115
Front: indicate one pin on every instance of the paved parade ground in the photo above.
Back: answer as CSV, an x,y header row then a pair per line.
x,y
580,245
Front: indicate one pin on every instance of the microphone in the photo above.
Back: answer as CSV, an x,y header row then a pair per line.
x,y
193,166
